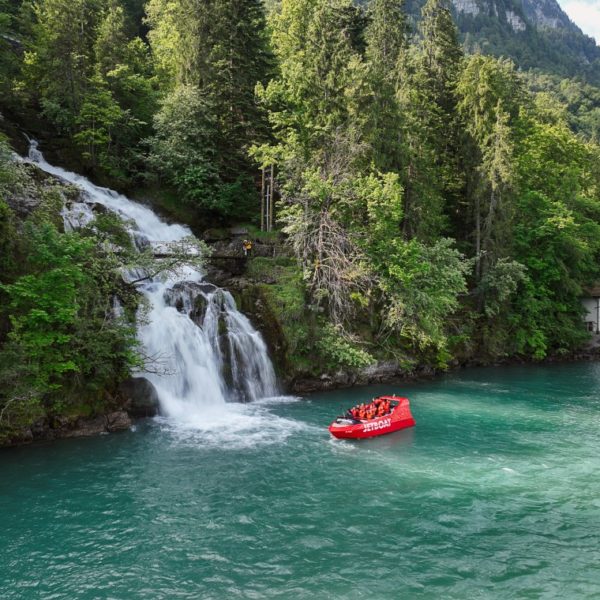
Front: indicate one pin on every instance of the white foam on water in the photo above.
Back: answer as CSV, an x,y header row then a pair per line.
x,y
273,400
241,426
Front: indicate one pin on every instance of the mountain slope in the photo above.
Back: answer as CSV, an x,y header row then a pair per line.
x,y
537,34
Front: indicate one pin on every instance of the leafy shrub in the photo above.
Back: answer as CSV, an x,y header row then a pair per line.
x,y
340,352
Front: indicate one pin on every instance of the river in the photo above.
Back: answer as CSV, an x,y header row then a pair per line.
x,y
494,494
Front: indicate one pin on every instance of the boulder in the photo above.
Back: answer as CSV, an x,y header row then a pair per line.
x,y
140,397
82,427
118,421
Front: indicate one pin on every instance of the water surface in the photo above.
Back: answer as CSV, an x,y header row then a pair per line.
x,y
494,494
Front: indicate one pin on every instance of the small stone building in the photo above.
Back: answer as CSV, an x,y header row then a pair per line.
x,y
591,304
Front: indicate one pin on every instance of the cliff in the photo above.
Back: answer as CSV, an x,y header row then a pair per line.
x,y
537,34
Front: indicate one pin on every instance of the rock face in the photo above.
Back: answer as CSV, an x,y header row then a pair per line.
x,y
140,396
469,7
515,21
379,372
535,34
82,427
548,13
537,13
55,428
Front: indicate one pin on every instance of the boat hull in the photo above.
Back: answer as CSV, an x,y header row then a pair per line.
x,y
400,418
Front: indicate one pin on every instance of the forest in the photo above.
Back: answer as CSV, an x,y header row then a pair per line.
x,y
436,207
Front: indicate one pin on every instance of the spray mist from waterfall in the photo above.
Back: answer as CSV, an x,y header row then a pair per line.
x,y
204,353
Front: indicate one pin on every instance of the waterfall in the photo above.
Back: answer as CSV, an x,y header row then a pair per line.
x,y
204,351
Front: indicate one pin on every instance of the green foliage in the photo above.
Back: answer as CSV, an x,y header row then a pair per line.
x,y
183,149
284,292
441,52
98,118
499,285
339,352
44,304
564,51
556,234
62,57
59,338
7,237
210,57
578,102
92,79
62,336
422,285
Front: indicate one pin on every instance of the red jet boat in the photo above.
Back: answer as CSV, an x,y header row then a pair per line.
x,y
398,418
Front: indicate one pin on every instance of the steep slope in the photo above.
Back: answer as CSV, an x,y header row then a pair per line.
x,y
537,34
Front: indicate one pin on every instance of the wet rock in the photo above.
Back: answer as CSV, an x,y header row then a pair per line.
x,y
87,426
378,372
84,427
39,428
207,288
140,397
118,421
198,311
189,297
25,436
35,185
222,327
252,302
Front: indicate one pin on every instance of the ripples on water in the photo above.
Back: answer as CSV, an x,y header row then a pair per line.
x,y
493,495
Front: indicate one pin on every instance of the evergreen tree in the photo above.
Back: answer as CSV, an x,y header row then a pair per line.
x,y
422,174
441,53
491,96
219,48
386,38
62,55
400,120
124,71
314,44
435,78
239,59
319,151
110,47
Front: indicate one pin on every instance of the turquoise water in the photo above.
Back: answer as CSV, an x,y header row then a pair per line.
x,y
494,494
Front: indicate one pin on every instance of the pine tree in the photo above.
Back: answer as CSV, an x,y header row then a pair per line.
x,y
319,65
110,47
62,56
123,67
490,100
436,74
220,48
314,106
399,119
386,38
238,60
441,53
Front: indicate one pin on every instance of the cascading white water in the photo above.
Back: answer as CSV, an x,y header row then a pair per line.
x,y
204,351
